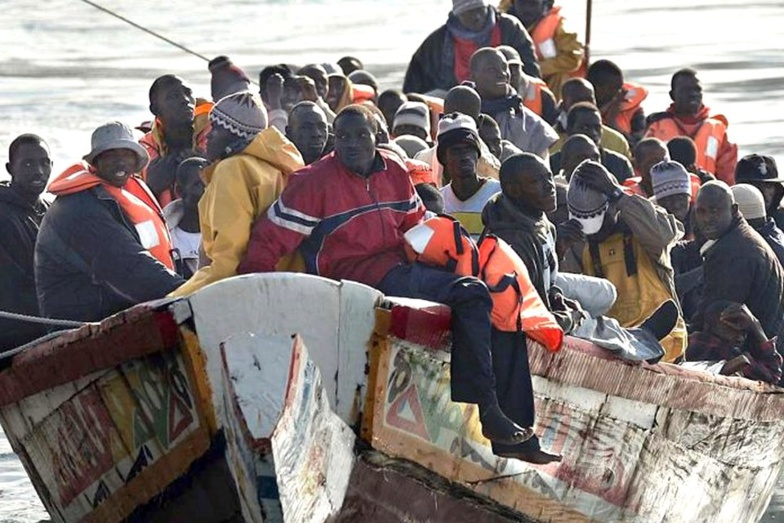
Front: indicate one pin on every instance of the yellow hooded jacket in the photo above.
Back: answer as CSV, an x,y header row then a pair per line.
x,y
240,188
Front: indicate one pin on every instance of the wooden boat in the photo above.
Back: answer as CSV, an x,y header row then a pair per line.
x,y
294,398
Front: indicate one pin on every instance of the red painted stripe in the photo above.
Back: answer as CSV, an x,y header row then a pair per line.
x,y
137,332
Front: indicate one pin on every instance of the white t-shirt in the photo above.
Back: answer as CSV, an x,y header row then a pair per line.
x,y
188,244
469,212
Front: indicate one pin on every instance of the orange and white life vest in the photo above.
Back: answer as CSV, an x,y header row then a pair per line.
x,y
517,306
532,98
443,242
635,95
136,201
543,34
708,137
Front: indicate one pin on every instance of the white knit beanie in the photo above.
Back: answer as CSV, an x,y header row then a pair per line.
x,y
413,113
750,201
669,178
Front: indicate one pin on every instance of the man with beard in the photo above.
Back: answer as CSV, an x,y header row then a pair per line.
x,y
103,245
21,212
739,266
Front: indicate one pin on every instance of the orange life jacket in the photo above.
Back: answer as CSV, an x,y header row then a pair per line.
x,y
420,172
543,34
635,95
363,93
136,201
708,137
533,95
632,186
443,242
517,306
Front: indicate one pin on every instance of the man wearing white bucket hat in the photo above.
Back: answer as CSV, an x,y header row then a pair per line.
x,y
103,246
628,242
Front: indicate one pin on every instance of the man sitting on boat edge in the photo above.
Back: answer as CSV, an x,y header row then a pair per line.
x,y
356,233
103,245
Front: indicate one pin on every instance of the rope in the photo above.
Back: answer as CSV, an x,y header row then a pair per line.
x,y
42,321
7,355
148,31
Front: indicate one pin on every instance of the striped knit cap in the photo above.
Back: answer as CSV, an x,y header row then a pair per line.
x,y
585,204
242,114
669,178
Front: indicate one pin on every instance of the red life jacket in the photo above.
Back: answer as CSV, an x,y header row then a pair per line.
x,y
517,307
465,48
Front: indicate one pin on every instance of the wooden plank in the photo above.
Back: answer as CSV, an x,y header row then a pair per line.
x,y
275,402
415,419
276,304
133,333
583,365
312,448
357,321
103,431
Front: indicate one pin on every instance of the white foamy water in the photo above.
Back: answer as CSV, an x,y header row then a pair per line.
x,y
66,68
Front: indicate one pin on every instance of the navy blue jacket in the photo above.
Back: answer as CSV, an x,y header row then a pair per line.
x,y
90,263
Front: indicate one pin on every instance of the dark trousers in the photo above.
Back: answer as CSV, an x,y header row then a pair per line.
x,y
513,385
473,380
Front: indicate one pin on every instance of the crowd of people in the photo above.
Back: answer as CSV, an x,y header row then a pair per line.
x,y
643,234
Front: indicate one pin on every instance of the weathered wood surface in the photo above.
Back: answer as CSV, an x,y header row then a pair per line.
x,y
103,445
280,407
384,490
626,457
335,320
132,333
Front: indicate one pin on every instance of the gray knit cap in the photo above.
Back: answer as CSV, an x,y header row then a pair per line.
x,y
669,178
585,204
461,6
242,114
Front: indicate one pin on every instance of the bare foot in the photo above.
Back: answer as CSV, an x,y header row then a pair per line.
x,y
537,457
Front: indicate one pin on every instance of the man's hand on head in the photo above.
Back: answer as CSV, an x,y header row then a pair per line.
x,y
309,91
600,180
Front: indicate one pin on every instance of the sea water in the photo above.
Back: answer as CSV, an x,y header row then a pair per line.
x,y
66,67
